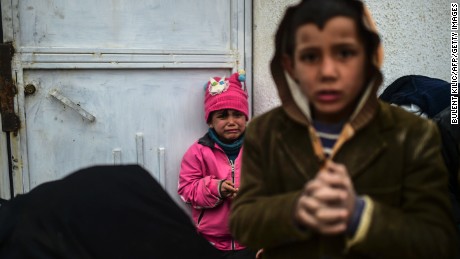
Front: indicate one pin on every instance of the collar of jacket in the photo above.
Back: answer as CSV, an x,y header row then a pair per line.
x,y
356,161
206,140
297,108
296,105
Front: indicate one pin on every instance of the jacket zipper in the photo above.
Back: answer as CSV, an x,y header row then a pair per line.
x,y
233,181
233,171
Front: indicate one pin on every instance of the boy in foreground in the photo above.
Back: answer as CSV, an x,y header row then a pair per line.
x,y
333,172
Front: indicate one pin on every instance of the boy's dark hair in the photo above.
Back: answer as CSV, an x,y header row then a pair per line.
x,y
319,12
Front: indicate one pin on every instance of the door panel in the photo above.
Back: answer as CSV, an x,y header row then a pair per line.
x,y
162,108
161,24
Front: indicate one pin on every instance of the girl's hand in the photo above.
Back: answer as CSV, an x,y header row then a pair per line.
x,y
227,189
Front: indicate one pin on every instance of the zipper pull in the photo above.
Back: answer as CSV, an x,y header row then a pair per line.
x,y
233,170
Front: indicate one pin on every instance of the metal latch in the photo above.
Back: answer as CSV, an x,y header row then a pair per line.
x,y
10,121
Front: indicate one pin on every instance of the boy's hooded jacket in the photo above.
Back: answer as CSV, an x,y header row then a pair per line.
x,y
392,156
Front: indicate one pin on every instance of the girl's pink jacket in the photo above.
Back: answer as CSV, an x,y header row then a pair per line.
x,y
203,167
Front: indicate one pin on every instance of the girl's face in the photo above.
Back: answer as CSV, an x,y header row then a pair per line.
x,y
229,124
328,64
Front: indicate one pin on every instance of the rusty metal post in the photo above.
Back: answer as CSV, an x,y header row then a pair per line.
x,y
10,120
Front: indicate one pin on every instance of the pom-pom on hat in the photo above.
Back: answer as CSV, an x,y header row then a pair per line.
x,y
226,93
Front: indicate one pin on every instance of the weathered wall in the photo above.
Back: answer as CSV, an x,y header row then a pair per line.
x,y
415,36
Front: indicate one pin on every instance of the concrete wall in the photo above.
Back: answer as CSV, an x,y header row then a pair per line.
x,y
415,36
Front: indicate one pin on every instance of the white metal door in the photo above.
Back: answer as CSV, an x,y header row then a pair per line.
x,y
117,81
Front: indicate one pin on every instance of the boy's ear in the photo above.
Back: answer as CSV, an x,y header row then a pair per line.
x,y
288,65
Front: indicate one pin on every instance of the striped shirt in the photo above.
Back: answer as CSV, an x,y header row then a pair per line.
x,y
328,134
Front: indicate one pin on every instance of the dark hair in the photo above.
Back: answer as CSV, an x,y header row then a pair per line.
x,y
319,12
210,117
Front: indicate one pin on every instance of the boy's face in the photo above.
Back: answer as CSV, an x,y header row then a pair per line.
x,y
228,124
328,64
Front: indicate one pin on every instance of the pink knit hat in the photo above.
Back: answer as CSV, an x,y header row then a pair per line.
x,y
223,93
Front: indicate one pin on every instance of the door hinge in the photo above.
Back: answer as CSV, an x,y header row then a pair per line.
x,y
10,120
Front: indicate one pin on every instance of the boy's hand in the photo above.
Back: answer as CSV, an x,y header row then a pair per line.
x,y
349,196
259,253
327,202
227,189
